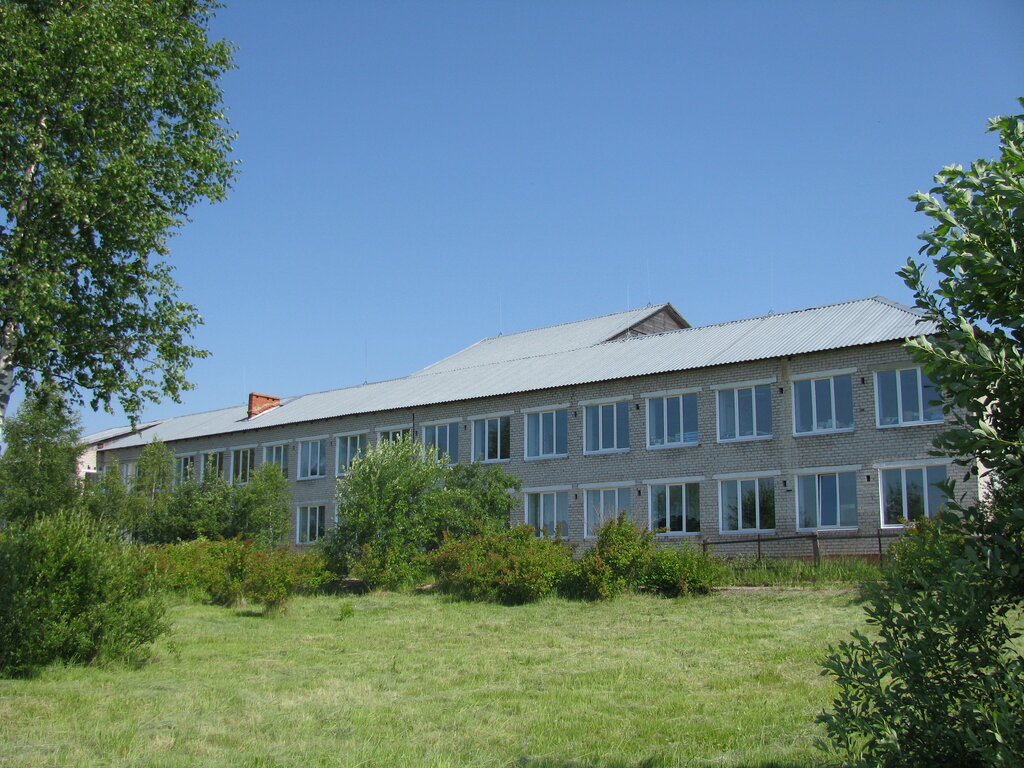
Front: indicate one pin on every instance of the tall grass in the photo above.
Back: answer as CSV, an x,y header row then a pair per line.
x,y
791,572
418,680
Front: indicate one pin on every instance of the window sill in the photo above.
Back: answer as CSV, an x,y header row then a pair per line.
x,y
844,431
826,529
544,458
746,531
606,452
670,446
912,424
677,534
311,477
493,461
750,439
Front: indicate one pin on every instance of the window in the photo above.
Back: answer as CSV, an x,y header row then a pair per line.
x,y
748,504
672,420
350,448
675,507
745,413
606,427
213,464
906,397
547,434
910,493
184,468
828,500
310,524
242,462
390,435
548,513
491,439
312,459
823,405
277,454
443,438
604,504
127,472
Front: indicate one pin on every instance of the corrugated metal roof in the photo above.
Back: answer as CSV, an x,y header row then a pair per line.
x,y
853,323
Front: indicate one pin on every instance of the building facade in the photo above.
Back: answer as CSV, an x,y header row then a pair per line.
x,y
795,433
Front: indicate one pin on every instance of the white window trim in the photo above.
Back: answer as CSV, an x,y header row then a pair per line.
x,y
823,374
584,404
814,472
721,509
472,437
424,425
545,408
338,471
602,487
546,489
911,464
878,400
527,412
439,422
262,453
352,432
682,481
309,505
611,484
647,418
496,415
231,461
816,377
677,480
396,428
299,477
718,406
742,384
747,475
223,461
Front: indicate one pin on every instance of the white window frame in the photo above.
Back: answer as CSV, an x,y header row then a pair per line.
x,y
540,412
180,476
362,438
739,477
615,401
300,539
453,428
128,470
322,440
813,378
899,400
664,396
477,456
554,491
670,482
388,434
273,448
219,452
601,488
251,449
735,388
903,466
818,473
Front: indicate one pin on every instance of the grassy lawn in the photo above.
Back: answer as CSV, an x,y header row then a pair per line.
x,y
417,680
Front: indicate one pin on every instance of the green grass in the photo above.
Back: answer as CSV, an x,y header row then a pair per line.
x,y
418,680
792,572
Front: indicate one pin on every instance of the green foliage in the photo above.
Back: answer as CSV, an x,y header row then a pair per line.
x,y
260,508
944,654
71,591
749,571
399,501
503,566
111,128
234,572
616,563
680,571
38,465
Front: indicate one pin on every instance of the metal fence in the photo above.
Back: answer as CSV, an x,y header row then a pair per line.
x,y
816,542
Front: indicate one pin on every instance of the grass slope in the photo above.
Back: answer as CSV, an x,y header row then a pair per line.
x,y
417,680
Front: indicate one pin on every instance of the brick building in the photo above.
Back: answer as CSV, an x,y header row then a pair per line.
x,y
813,424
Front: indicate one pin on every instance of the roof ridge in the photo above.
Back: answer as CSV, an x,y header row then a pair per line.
x,y
652,307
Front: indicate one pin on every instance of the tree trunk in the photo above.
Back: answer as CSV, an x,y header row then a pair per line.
x,y
6,368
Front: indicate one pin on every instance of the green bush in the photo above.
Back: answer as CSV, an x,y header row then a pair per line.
x,y
389,566
510,566
674,572
616,562
72,591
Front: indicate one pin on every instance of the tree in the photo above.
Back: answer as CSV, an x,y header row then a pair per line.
x,y
38,468
111,128
942,682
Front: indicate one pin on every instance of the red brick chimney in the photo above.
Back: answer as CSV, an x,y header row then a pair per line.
x,y
259,403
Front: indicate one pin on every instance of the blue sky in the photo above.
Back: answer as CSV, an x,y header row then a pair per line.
x,y
415,176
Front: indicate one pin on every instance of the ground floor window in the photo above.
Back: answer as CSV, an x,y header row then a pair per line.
x,y
604,504
548,513
910,493
675,508
310,523
828,500
748,504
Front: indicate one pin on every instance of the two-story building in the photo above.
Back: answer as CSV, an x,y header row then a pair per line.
x,y
783,428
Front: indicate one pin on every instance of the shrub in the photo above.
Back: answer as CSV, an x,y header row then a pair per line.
x,y
615,564
71,591
680,571
511,566
388,566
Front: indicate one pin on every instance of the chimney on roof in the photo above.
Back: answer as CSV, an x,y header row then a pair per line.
x,y
259,403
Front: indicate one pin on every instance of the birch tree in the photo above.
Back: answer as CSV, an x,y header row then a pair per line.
x,y
111,129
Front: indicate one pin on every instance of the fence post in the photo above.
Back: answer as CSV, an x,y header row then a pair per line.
x,y
815,549
704,545
759,547
879,547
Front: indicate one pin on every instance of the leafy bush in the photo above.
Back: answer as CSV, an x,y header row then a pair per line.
x,y
615,564
511,566
674,572
388,566
233,572
71,591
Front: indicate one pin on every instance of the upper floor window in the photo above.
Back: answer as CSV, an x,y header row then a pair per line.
x,y
444,439
604,504
390,435
548,513
312,459
184,468
491,439
827,500
606,427
675,507
905,397
910,493
310,523
547,434
748,504
127,472
213,464
350,448
745,413
242,461
823,405
672,420
277,454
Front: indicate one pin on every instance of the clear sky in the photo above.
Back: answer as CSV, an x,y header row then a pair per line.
x,y
416,176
